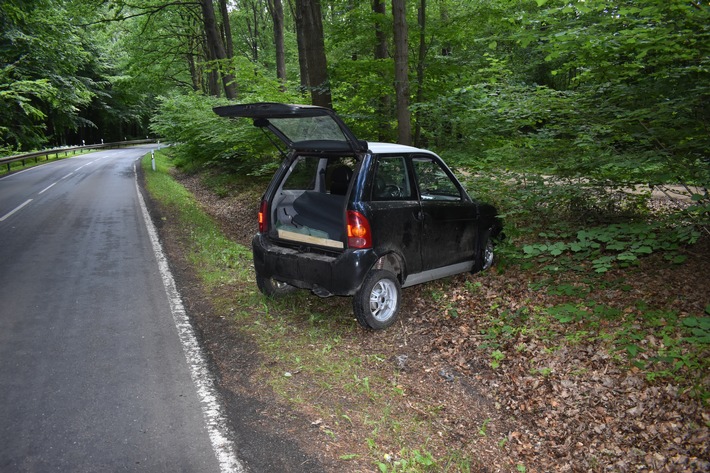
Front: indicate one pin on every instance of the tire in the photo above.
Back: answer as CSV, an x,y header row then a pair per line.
x,y
272,288
376,305
485,255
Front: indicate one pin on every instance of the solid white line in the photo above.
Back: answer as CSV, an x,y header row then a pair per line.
x,y
47,188
204,382
16,209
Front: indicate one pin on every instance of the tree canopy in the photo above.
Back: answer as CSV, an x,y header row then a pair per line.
x,y
607,89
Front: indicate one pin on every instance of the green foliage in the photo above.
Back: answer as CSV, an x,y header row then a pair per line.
x,y
40,59
587,89
408,461
203,139
617,244
57,77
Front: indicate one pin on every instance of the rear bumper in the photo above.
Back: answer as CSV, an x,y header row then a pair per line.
x,y
340,275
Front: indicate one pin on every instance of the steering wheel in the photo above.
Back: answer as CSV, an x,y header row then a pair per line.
x,y
392,190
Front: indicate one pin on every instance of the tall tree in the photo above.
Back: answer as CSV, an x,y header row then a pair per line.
x,y
277,15
379,10
421,65
401,72
309,22
216,48
226,28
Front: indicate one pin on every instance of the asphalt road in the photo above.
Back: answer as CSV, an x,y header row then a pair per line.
x,y
94,374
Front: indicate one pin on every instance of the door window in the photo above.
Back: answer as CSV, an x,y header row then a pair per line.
x,y
434,182
391,179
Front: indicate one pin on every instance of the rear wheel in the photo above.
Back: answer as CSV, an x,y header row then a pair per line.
x,y
376,304
273,288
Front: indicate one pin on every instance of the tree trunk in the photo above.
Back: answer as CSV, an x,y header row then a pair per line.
x,y
193,72
421,66
401,72
277,15
212,87
253,29
228,42
382,53
311,26
216,47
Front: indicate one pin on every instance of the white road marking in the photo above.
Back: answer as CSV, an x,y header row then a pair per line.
x,y
16,209
204,382
47,188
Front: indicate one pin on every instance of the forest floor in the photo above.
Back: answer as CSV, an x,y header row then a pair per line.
x,y
511,370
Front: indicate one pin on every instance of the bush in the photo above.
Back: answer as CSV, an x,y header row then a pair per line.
x,y
204,140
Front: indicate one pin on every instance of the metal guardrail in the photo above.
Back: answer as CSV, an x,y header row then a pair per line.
x,y
57,151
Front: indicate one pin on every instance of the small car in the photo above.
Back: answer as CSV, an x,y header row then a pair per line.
x,y
347,217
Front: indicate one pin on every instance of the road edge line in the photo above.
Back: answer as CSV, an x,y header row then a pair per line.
x,y
204,382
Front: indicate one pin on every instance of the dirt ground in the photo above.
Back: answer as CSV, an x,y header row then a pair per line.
x,y
586,413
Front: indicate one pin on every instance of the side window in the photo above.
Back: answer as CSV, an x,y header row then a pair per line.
x,y
391,179
303,174
434,183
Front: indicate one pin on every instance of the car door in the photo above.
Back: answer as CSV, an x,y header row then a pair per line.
x,y
448,216
395,211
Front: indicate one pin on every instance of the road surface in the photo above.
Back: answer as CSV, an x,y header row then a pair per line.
x,y
95,375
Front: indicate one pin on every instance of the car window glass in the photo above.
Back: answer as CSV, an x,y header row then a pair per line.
x,y
434,183
310,128
391,179
303,175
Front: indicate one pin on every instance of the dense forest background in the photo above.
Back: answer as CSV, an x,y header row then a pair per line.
x,y
606,89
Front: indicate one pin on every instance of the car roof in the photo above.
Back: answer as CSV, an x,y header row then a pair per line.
x,y
384,148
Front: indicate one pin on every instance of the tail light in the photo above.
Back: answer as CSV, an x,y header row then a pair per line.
x,y
359,234
263,217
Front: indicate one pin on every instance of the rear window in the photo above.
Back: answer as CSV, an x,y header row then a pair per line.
x,y
309,128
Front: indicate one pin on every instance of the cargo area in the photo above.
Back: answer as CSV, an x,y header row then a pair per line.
x,y
311,217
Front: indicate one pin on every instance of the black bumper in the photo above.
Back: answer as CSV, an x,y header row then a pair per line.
x,y
340,275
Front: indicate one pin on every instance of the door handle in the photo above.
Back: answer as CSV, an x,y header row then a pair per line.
x,y
419,216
